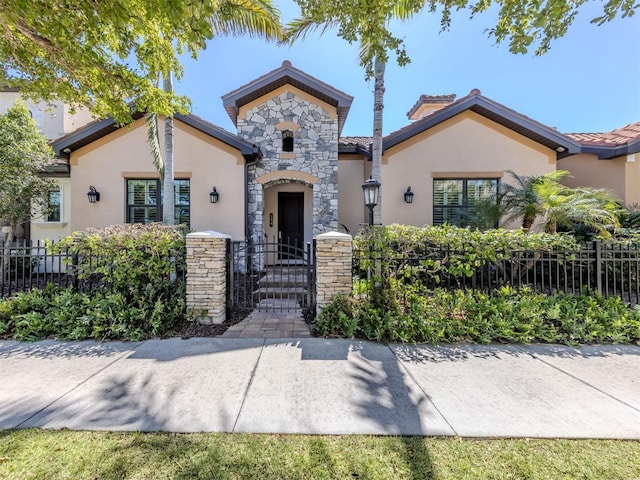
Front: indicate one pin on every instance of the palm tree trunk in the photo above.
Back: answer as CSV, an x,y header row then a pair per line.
x,y
376,152
527,222
168,212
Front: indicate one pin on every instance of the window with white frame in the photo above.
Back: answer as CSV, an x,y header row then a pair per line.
x,y
53,206
456,200
144,201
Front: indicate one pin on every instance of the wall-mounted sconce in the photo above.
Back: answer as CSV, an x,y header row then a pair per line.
x,y
93,195
271,219
408,196
214,195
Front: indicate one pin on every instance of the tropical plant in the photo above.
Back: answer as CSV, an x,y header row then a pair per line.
x,y
543,197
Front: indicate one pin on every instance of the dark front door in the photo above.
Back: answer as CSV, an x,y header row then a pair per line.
x,y
291,224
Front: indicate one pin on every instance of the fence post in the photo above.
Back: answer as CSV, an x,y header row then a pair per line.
x,y
74,266
334,257
207,276
597,246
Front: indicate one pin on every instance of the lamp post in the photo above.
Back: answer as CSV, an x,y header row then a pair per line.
x,y
371,189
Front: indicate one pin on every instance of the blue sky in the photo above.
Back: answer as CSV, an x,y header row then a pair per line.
x,y
588,82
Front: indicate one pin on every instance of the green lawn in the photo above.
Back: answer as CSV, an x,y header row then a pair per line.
x,y
36,454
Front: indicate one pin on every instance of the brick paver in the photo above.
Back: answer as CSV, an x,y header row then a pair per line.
x,y
273,324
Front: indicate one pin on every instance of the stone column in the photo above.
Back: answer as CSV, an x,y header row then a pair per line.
x,y
334,254
207,276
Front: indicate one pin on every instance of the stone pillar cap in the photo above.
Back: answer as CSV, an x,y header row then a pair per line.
x,y
338,235
208,234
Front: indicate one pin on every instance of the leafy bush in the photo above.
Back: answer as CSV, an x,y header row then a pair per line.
x,y
507,315
139,270
68,315
397,294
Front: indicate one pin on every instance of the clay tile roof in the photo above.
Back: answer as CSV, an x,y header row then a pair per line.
x,y
358,141
444,99
619,136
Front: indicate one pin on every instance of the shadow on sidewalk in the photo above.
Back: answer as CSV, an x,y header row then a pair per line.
x,y
57,349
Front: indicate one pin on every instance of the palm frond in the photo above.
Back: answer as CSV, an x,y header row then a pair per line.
x,y
301,28
153,137
253,18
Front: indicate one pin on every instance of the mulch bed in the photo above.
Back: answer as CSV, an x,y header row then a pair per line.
x,y
194,329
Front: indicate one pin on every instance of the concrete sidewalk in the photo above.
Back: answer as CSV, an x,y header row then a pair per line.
x,y
322,386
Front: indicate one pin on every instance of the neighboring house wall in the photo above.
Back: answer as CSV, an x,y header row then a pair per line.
x,y
621,175
53,120
125,154
314,125
465,146
43,228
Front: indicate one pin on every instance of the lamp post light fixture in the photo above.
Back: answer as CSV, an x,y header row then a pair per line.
x,y
214,195
408,196
371,190
93,195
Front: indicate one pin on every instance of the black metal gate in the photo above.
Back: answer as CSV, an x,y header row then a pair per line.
x,y
271,276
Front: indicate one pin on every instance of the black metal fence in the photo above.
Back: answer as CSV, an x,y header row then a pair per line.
x,y
270,276
25,265
608,269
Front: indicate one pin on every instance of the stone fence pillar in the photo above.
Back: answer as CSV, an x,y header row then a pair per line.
x,y
334,254
207,276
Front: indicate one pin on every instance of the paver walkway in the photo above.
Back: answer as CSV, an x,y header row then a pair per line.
x,y
270,324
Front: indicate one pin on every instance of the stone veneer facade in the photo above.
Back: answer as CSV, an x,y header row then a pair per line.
x,y
315,152
207,276
334,257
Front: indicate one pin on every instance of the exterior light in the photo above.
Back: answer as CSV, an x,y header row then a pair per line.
x,y
408,196
371,190
214,195
93,195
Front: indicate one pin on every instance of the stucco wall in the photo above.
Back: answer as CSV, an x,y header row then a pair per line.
x,y
588,171
632,179
466,146
41,229
353,170
106,163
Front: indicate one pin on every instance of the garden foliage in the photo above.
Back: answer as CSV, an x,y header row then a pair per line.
x,y
138,271
391,302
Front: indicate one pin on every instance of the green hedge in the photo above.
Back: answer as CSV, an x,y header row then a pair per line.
x,y
141,292
389,301
474,316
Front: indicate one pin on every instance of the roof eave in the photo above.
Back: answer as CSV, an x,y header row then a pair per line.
x,y
287,74
354,149
605,152
248,150
563,145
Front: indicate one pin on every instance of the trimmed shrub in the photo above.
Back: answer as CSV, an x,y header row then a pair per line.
x,y
139,271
